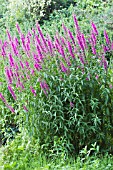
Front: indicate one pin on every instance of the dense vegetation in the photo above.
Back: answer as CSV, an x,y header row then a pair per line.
x,y
56,84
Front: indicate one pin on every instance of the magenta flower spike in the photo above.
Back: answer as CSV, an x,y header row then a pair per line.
x,y
32,72
16,42
106,37
83,41
76,23
42,37
80,42
94,28
105,48
93,49
71,36
50,46
18,28
2,98
33,31
36,58
37,40
63,68
8,75
27,65
70,49
3,52
12,92
9,35
93,38
33,91
63,41
39,53
64,28
38,66
82,60
44,86
62,51
14,48
104,62
22,65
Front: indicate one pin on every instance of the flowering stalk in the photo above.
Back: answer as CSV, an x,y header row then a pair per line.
x,y
106,37
12,92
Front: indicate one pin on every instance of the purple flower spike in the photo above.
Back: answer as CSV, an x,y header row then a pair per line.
x,y
22,65
14,48
106,37
105,48
63,68
12,92
38,66
70,49
33,91
8,75
62,51
42,37
83,41
93,50
93,39
82,60
104,62
44,86
8,34
50,46
76,23
94,28
18,28
2,97
3,51
11,60
71,36
80,42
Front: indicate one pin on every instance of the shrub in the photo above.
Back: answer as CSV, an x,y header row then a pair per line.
x,y
33,10
60,88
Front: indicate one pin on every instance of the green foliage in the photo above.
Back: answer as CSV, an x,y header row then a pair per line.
x,y
22,153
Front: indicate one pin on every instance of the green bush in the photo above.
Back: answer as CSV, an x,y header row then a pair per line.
x,y
22,11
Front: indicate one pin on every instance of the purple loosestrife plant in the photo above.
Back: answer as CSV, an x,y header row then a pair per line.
x,y
61,84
